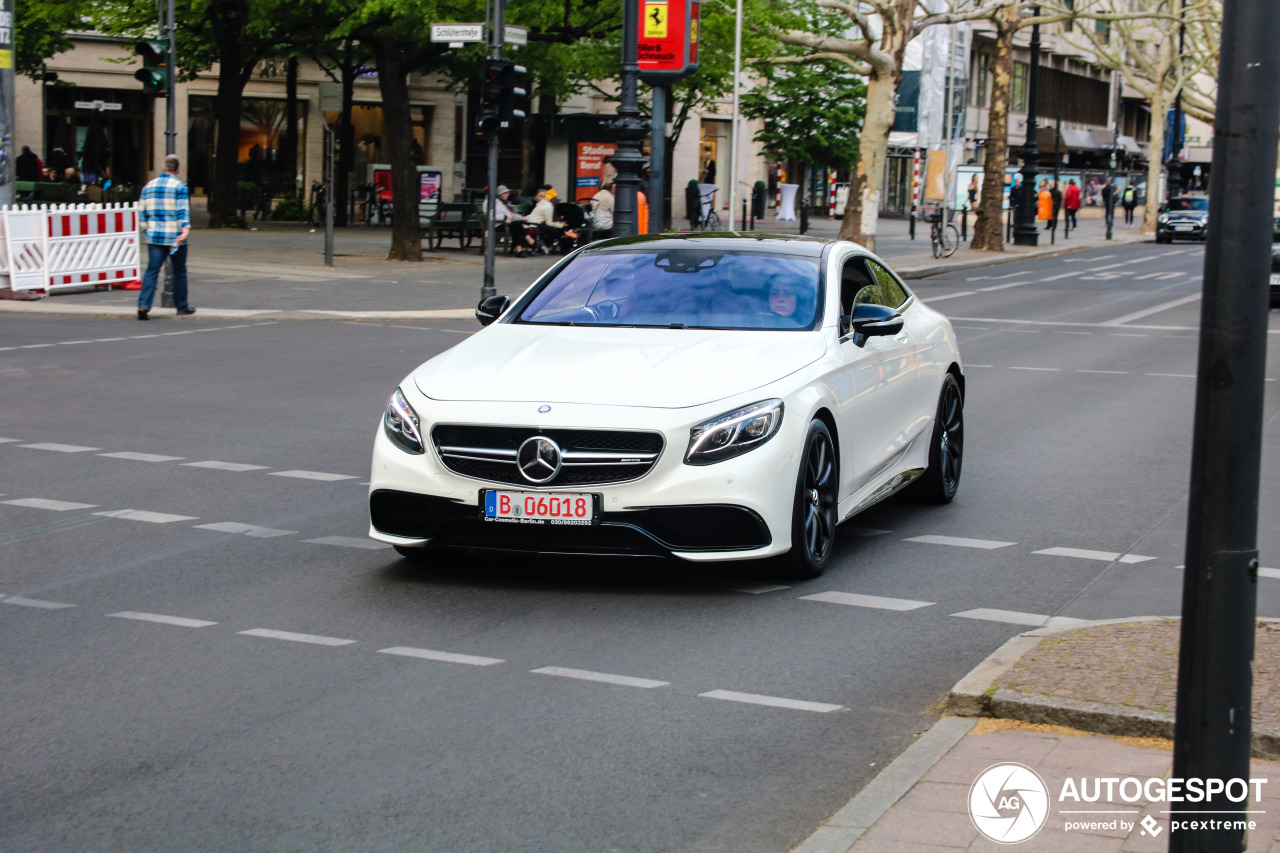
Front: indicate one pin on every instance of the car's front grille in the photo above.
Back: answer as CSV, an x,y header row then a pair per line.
x,y
590,456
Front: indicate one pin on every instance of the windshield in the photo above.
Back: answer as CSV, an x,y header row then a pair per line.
x,y
1189,204
681,288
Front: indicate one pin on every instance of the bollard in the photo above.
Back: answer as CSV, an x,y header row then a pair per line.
x,y
804,216
964,223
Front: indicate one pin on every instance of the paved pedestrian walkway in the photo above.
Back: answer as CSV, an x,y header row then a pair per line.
x,y
276,270
1075,704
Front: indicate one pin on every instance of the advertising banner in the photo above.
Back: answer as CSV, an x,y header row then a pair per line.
x,y
590,168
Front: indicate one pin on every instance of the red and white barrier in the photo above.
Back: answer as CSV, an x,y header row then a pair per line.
x,y
70,245
831,195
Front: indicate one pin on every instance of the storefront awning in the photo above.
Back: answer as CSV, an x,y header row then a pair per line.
x,y
1078,140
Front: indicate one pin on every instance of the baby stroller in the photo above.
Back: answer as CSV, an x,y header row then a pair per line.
x,y
544,243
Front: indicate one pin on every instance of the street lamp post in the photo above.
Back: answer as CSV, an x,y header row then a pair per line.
x,y
1173,185
629,129
1024,231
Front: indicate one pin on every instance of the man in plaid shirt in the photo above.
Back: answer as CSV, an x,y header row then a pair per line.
x,y
165,214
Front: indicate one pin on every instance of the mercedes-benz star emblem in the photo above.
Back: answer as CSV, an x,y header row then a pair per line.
x,y
538,459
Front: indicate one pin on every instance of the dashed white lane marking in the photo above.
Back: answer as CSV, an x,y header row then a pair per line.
x,y
36,346
1085,554
960,542
180,621
225,466
875,601
1002,286
312,475
34,602
771,701
1269,573
70,343
349,542
245,529
1155,309
1045,369
1087,260
60,448
44,503
140,337
992,277
1107,372
9,440
140,457
1128,335
1015,617
447,657
314,639
604,677
951,296
108,340
146,515
1068,332
1174,375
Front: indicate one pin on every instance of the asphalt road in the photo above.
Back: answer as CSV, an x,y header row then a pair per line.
x,y
222,661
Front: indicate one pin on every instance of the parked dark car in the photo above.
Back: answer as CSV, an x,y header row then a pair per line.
x,y
1183,217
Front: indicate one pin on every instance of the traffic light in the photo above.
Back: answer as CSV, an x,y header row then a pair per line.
x,y
154,72
509,76
491,96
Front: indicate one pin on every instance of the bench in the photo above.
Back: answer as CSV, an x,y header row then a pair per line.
x,y
452,220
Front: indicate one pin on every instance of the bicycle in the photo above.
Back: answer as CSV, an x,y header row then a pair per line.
x,y
319,201
711,221
945,239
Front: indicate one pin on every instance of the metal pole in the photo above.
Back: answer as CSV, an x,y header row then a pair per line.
x,y
328,195
734,129
170,107
1057,178
489,288
628,127
658,158
1212,731
1024,232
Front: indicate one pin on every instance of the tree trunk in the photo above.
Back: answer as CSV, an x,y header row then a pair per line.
x,y
1155,146
988,231
406,234
228,28
862,211
289,154
346,137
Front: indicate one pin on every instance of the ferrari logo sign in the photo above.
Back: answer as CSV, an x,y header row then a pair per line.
x,y
667,39
655,20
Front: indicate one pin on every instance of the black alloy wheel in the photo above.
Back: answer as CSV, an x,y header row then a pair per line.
x,y
813,516
939,484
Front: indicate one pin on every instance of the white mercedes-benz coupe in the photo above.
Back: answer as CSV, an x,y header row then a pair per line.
x,y
706,397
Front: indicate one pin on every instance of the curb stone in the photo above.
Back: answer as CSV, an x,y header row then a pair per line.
x,y
973,696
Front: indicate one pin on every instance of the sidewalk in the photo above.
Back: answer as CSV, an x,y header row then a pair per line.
x,y
1040,701
276,270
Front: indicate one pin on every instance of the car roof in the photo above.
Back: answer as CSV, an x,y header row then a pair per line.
x,y
726,241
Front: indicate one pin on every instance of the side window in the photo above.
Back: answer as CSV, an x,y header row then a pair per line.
x,y
856,285
891,293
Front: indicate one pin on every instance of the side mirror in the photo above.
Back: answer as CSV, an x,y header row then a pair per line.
x,y
869,321
491,309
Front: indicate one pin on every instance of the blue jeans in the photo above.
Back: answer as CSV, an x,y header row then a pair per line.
x,y
156,253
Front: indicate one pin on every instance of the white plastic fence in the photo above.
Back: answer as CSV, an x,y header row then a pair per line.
x,y
69,245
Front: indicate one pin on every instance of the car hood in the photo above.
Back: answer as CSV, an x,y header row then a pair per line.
x,y
1187,215
660,368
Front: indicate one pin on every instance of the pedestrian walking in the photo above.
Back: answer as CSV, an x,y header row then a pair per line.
x,y
602,212
973,192
164,212
1044,204
1129,200
1071,203
1055,198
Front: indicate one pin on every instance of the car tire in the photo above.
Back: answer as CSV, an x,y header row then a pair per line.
x,y
941,480
814,512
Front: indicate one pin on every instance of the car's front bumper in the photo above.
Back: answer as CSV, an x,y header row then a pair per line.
x,y
736,509
1180,231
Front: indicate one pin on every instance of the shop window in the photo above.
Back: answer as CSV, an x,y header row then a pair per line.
x,y
1018,96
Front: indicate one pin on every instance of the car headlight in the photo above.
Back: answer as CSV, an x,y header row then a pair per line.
x,y
400,423
733,433
1163,218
